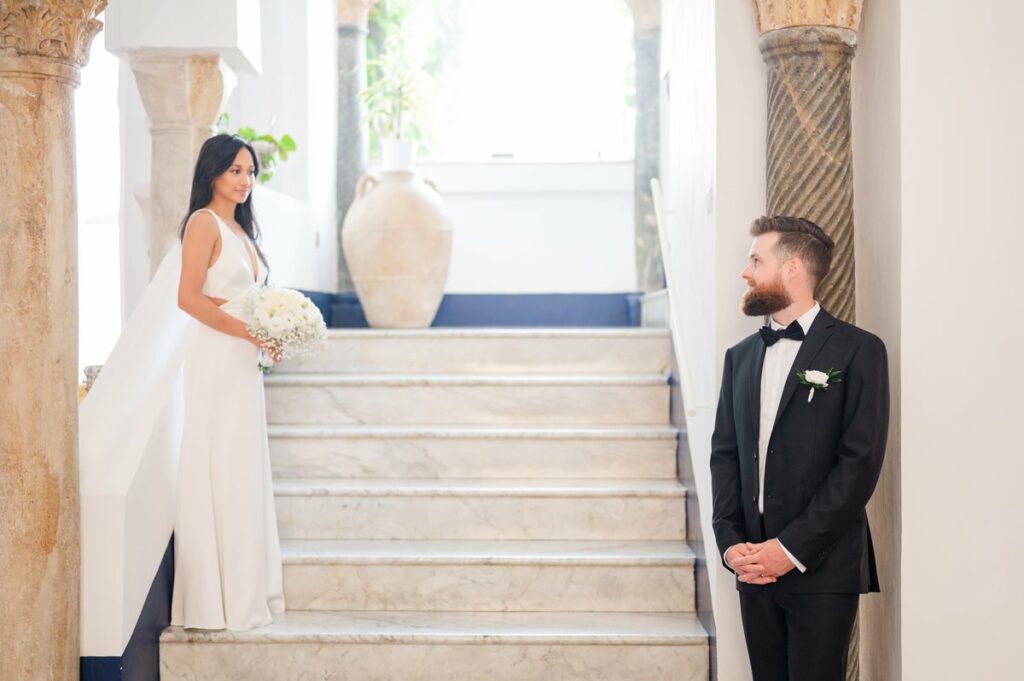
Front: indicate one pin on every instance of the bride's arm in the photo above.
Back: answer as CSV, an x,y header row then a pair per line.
x,y
196,252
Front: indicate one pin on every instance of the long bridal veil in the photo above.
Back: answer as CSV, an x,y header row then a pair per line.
x,y
119,413
130,427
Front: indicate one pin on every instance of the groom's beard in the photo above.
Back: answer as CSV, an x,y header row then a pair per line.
x,y
765,299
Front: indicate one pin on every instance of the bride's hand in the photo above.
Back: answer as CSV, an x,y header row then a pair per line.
x,y
267,350
270,352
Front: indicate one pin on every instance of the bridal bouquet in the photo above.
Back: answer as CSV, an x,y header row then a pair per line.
x,y
286,321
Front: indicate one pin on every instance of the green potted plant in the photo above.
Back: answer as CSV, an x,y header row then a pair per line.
x,y
391,99
269,148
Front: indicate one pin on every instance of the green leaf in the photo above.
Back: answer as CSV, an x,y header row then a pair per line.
x,y
286,144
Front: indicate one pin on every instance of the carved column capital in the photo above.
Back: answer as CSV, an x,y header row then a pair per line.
x,y
48,37
354,11
776,14
182,92
61,30
646,14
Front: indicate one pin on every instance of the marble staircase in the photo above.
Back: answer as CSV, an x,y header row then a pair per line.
x,y
472,504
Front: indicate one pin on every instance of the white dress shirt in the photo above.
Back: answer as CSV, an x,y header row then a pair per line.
x,y
778,362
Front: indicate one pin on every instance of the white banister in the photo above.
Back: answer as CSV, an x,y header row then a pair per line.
x,y
692,401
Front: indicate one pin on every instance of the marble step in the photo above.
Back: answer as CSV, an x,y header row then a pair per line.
x,y
492,351
492,399
437,646
582,509
315,451
488,575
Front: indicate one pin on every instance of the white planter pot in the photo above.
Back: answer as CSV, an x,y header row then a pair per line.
x,y
265,150
397,154
398,243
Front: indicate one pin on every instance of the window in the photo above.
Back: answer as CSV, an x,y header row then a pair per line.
x,y
535,80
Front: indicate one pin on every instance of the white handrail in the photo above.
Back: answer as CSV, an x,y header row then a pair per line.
x,y
690,402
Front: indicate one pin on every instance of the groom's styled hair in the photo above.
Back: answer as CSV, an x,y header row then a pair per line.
x,y
799,238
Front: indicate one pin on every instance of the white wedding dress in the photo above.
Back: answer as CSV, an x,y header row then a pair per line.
x,y
227,555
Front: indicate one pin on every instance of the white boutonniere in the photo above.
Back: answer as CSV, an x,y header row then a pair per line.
x,y
818,380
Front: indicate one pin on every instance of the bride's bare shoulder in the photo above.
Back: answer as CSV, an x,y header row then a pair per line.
x,y
202,226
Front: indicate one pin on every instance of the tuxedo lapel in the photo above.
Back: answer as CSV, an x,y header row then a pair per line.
x,y
818,334
754,388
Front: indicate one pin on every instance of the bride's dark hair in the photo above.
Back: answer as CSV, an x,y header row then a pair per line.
x,y
215,157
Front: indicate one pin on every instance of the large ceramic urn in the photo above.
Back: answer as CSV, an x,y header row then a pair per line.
x,y
398,243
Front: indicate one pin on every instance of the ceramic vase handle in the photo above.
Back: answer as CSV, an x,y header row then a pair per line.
x,y
361,187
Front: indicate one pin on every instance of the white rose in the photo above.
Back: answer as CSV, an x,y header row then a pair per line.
x,y
816,377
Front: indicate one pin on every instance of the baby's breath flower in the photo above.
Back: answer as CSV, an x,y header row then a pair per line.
x,y
286,321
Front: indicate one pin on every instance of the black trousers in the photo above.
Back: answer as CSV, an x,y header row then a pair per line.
x,y
797,637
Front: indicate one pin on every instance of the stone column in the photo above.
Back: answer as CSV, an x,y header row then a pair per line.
x,y
809,48
182,95
353,153
43,45
646,162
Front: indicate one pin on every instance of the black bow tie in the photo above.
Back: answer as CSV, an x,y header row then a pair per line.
x,y
770,336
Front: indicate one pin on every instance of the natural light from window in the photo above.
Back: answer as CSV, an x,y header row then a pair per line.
x,y
98,155
534,80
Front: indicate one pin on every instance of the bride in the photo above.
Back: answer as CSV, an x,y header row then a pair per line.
x,y
227,556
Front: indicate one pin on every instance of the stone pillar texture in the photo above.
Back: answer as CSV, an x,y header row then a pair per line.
x,y
808,48
646,159
353,152
182,95
810,151
43,44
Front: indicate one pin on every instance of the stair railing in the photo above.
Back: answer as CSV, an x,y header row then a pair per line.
x,y
691,401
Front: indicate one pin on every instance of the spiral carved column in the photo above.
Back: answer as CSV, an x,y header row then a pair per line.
x,y
43,45
810,162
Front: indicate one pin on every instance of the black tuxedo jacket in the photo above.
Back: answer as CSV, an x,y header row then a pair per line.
x,y
824,457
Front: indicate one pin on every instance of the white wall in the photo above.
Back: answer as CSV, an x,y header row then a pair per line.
x,y
538,227
288,239
297,90
135,153
713,180
876,174
962,104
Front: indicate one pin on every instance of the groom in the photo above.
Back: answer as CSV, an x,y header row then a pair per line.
x,y
794,459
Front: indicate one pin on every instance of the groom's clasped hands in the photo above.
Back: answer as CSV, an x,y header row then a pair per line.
x,y
760,563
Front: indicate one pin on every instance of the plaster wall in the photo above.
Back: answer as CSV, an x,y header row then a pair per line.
x,y
714,185
538,227
876,175
961,104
